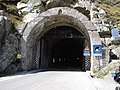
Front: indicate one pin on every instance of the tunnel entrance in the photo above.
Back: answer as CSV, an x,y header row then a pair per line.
x,y
62,48
40,36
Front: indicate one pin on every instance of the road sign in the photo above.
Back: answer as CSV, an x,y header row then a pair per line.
x,y
86,51
97,50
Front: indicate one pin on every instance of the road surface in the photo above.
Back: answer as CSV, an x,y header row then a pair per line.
x,y
55,80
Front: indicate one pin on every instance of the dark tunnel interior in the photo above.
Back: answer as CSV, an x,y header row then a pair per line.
x,y
67,53
65,48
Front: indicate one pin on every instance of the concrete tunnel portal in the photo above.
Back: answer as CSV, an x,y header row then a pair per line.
x,y
58,40
61,48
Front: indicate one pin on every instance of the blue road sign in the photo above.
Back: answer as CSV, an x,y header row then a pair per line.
x,y
97,50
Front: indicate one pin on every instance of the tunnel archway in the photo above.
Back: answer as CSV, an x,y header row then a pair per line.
x,y
63,48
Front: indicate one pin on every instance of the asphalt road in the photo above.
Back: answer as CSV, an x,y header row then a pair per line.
x,y
54,80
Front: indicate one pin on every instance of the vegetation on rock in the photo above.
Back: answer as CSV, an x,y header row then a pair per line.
x,y
11,12
112,8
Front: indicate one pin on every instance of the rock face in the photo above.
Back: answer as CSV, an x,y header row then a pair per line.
x,y
8,44
2,31
9,52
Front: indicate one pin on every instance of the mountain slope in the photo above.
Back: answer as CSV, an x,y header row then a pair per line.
x,y
112,8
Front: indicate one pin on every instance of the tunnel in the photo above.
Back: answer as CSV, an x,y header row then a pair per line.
x,y
63,48
46,39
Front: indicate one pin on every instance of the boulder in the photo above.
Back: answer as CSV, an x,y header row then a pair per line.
x,y
101,13
34,3
21,5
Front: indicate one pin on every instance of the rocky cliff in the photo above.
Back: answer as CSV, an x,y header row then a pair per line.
x,y
9,48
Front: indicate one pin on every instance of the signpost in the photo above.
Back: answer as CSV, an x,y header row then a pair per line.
x,y
87,58
97,50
